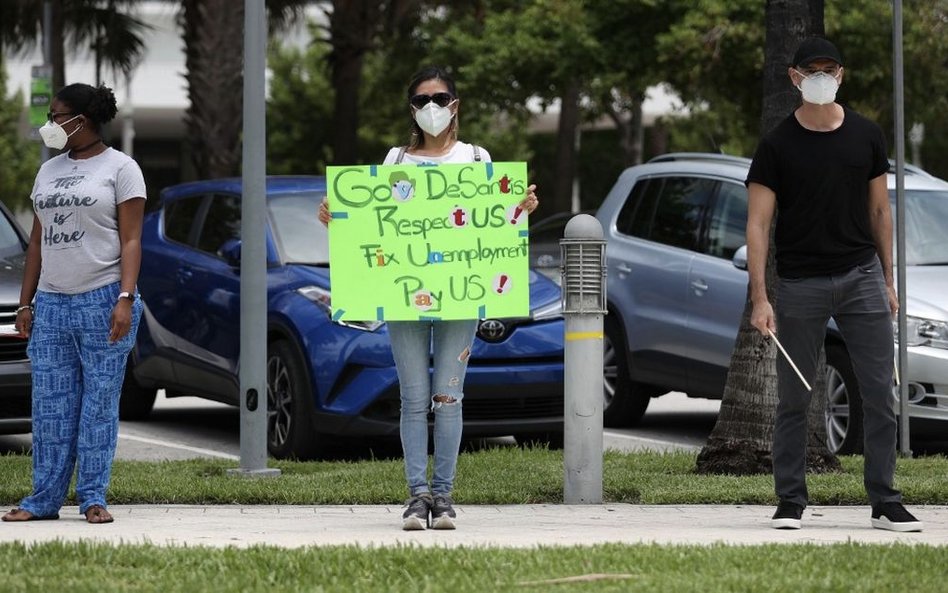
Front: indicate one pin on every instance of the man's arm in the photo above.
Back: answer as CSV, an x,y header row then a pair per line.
x,y
761,204
880,222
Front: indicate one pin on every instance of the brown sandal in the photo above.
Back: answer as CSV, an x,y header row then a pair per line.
x,y
97,514
14,516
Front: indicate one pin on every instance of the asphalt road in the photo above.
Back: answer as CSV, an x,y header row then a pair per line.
x,y
188,427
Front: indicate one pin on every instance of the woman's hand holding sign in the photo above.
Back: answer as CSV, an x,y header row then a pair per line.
x,y
323,213
530,202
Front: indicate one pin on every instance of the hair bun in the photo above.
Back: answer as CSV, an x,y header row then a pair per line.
x,y
102,105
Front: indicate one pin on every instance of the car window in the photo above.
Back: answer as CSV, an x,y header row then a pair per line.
x,y
179,217
299,236
926,235
9,239
635,218
728,223
671,210
221,224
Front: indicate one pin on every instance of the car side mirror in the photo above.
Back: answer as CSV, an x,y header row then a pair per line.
x,y
740,258
230,251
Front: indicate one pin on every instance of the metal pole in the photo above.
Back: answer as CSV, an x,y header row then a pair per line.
x,y
897,70
128,119
253,262
47,59
584,304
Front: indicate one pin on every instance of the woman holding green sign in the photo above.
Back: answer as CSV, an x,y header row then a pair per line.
x,y
433,104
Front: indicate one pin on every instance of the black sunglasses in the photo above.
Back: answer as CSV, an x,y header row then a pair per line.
x,y
440,99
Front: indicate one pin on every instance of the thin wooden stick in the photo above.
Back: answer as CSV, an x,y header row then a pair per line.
x,y
787,356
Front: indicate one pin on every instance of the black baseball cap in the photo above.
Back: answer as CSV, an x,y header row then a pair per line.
x,y
812,49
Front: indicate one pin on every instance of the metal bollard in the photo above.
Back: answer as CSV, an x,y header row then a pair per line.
x,y
584,303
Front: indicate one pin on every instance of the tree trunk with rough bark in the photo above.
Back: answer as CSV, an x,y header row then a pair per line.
x,y
630,128
566,149
353,26
214,60
57,35
742,438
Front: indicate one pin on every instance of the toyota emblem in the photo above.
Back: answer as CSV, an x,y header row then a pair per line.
x,y
491,330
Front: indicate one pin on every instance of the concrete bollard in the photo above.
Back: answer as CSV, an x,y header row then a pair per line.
x,y
583,271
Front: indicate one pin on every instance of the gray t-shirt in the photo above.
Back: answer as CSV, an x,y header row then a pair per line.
x,y
75,201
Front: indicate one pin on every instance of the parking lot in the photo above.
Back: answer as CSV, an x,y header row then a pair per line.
x,y
189,427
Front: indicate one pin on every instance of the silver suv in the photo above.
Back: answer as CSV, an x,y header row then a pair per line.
x,y
677,284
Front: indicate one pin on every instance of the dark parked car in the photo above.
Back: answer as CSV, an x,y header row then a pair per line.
x,y
677,284
14,365
545,235
324,377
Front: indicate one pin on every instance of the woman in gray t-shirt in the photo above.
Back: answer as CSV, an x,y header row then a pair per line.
x,y
78,303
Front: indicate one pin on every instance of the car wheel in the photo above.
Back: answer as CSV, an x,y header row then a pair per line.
x,y
624,402
136,401
843,403
290,431
550,440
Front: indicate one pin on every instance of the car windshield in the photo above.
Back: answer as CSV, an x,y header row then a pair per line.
x,y
299,236
9,239
926,234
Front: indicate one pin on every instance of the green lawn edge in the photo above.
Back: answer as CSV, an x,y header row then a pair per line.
x,y
499,475
101,568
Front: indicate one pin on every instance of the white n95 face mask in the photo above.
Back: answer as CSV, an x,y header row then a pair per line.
x,y
53,134
819,88
433,118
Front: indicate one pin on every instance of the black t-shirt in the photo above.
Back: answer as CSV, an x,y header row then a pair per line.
x,y
821,180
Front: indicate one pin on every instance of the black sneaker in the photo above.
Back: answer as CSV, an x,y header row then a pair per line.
x,y
442,512
894,517
787,516
415,516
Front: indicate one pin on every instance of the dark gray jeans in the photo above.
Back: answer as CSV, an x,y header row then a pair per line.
x,y
857,300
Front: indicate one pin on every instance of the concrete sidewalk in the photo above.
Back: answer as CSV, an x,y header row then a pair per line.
x,y
511,526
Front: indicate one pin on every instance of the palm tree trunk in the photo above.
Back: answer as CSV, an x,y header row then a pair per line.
x,y
214,42
566,149
57,56
353,27
742,438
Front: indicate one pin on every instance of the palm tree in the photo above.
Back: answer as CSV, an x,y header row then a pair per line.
x,y
103,26
213,34
743,435
356,28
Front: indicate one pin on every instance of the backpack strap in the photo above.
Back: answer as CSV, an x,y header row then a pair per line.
x,y
477,153
401,154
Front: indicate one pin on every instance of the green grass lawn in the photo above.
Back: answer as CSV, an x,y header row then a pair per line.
x,y
94,568
500,475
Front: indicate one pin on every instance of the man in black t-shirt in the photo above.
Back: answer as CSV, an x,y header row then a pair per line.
x,y
823,172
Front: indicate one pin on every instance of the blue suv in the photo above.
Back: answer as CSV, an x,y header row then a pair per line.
x,y
324,377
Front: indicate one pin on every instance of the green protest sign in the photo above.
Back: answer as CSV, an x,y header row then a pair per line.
x,y
411,242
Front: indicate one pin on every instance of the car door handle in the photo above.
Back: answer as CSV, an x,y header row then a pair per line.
x,y
184,275
699,285
624,269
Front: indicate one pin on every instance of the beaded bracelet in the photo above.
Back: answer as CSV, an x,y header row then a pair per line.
x,y
24,308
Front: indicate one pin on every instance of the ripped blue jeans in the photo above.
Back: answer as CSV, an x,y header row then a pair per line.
x,y
431,360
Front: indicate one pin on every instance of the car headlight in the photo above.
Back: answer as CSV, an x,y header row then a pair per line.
x,y
550,311
925,332
321,297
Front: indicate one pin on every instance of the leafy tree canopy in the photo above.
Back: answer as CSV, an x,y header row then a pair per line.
x,y
19,157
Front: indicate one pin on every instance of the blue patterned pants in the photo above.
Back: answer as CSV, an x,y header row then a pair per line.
x,y
77,381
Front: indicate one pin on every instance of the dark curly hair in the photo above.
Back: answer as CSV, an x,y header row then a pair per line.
x,y
95,103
